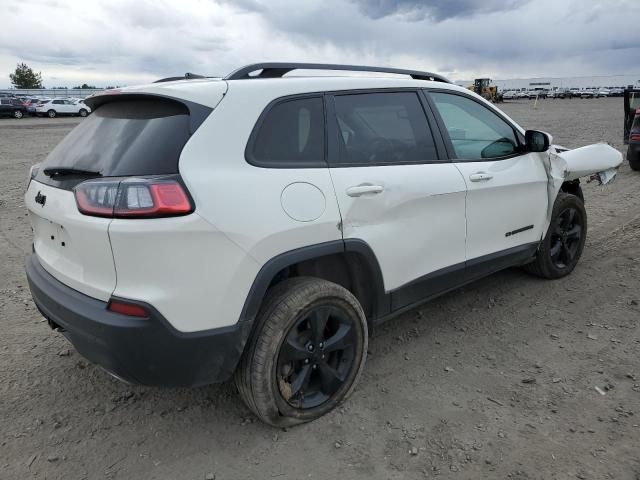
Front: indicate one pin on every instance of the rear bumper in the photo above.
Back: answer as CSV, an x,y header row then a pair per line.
x,y
147,351
633,152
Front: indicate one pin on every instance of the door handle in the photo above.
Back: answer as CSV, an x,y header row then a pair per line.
x,y
480,177
364,189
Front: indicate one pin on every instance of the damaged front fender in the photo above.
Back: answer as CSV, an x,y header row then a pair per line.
x,y
584,161
563,165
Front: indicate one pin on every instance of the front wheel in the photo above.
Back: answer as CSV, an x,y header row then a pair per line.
x,y
306,354
18,114
83,112
562,246
51,113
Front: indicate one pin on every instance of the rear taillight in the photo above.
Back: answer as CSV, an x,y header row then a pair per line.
x,y
133,197
635,137
127,308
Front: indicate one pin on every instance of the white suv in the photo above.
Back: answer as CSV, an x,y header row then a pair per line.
x,y
62,106
194,229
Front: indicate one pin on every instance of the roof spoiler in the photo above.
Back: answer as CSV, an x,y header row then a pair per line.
x,y
187,76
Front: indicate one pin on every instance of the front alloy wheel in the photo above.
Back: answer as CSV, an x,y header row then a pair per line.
x,y
562,246
566,238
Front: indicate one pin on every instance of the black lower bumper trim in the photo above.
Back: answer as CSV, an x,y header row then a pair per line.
x,y
147,351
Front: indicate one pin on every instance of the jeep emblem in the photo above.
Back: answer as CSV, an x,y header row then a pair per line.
x,y
41,199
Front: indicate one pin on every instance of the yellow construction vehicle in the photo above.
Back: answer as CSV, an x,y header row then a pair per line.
x,y
483,87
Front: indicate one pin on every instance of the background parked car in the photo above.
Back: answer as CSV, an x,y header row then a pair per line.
x,y
564,93
537,94
510,95
587,94
30,105
603,92
12,107
62,106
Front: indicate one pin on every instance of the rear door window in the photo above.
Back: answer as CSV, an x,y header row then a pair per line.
x,y
290,135
382,129
125,138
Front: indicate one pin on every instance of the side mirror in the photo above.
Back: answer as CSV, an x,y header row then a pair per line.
x,y
537,141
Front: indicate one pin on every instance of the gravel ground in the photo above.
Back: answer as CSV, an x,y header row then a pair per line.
x,y
495,380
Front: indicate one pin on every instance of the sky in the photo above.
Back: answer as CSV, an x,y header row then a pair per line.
x,y
125,42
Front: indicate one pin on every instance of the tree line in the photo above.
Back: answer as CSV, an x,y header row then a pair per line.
x,y
25,77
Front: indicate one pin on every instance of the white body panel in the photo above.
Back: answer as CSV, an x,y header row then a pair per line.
x,y
511,194
186,268
415,225
242,200
85,262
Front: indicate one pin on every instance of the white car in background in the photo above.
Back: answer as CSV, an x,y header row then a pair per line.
x,y
603,92
62,106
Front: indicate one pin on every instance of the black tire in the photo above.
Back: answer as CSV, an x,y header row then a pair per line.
x,y
83,112
634,159
266,379
564,242
51,113
18,114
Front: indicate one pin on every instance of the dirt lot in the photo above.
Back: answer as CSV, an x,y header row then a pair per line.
x,y
496,380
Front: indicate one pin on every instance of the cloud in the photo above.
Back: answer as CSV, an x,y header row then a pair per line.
x,y
437,10
132,41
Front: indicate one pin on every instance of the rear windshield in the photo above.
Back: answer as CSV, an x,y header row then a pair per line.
x,y
124,138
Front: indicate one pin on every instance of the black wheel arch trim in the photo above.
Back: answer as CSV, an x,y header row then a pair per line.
x,y
271,268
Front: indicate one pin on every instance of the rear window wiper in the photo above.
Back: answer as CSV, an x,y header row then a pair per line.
x,y
56,171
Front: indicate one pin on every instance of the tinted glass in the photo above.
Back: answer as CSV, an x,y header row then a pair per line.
x,y
140,137
383,128
291,133
475,131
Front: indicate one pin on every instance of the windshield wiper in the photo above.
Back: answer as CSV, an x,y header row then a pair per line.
x,y
56,171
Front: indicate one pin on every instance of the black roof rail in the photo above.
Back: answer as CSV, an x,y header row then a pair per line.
x,y
187,76
277,70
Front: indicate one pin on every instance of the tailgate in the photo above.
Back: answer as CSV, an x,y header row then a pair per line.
x,y
72,247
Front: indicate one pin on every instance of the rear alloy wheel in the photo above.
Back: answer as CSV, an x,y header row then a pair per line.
x,y
83,112
307,353
51,113
562,246
18,114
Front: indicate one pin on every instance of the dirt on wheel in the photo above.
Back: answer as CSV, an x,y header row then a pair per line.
x,y
510,377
